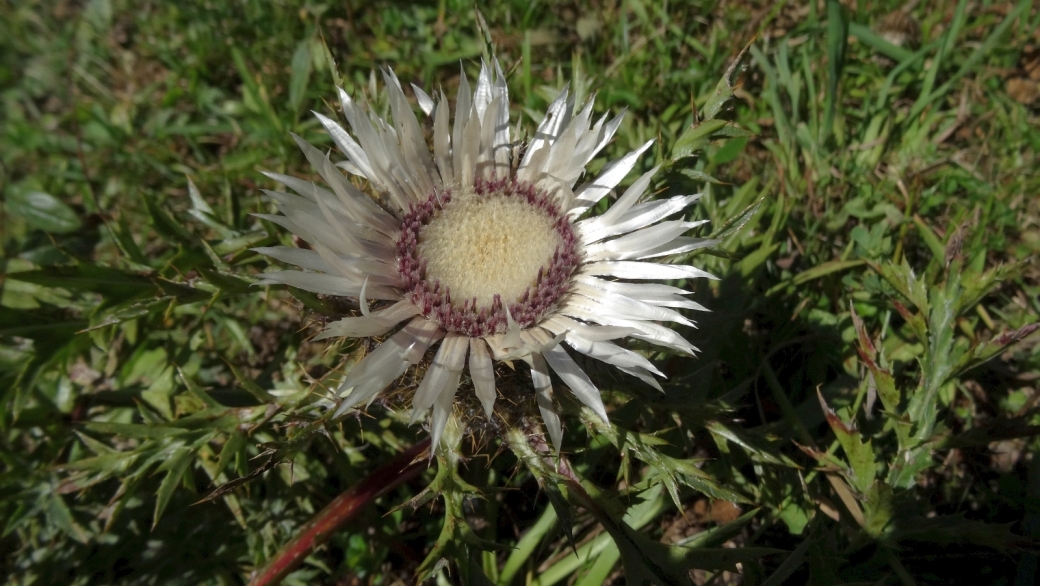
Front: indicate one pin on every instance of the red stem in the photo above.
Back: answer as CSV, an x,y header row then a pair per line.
x,y
341,510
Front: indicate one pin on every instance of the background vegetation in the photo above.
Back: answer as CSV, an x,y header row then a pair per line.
x,y
842,408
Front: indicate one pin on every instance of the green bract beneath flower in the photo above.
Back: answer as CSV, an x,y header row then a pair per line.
x,y
481,251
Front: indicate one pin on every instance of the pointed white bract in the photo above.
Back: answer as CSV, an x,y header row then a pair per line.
x,y
591,291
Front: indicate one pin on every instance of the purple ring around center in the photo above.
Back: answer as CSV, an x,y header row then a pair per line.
x,y
434,299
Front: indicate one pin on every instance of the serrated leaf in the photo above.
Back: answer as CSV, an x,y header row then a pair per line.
x,y
707,486
695,138
734,224
939,360
914,320
878,508
904,280
886,386
724,88
883,380
902,472
860,454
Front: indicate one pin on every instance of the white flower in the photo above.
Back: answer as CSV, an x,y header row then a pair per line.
x,y
480,248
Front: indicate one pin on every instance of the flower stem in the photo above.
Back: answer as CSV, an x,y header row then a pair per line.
x,y
341,510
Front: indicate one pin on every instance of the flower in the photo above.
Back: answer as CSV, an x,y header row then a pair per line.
x,y
479,246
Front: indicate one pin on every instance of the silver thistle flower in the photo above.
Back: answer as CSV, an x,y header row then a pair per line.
x,y
482,250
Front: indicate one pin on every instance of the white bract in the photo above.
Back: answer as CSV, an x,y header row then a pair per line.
x,y
479,248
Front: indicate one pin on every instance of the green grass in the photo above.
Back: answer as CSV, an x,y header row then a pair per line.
x,y
887,222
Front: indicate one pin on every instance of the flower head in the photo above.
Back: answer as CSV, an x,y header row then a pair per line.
x,y
477,249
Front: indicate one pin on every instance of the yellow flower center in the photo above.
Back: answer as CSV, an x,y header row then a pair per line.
x,y
480,245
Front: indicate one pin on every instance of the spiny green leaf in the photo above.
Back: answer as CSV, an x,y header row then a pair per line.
x,y
883,380
695,138
859,453
904,280
878,508
914,320
902,472
938,363
724,88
